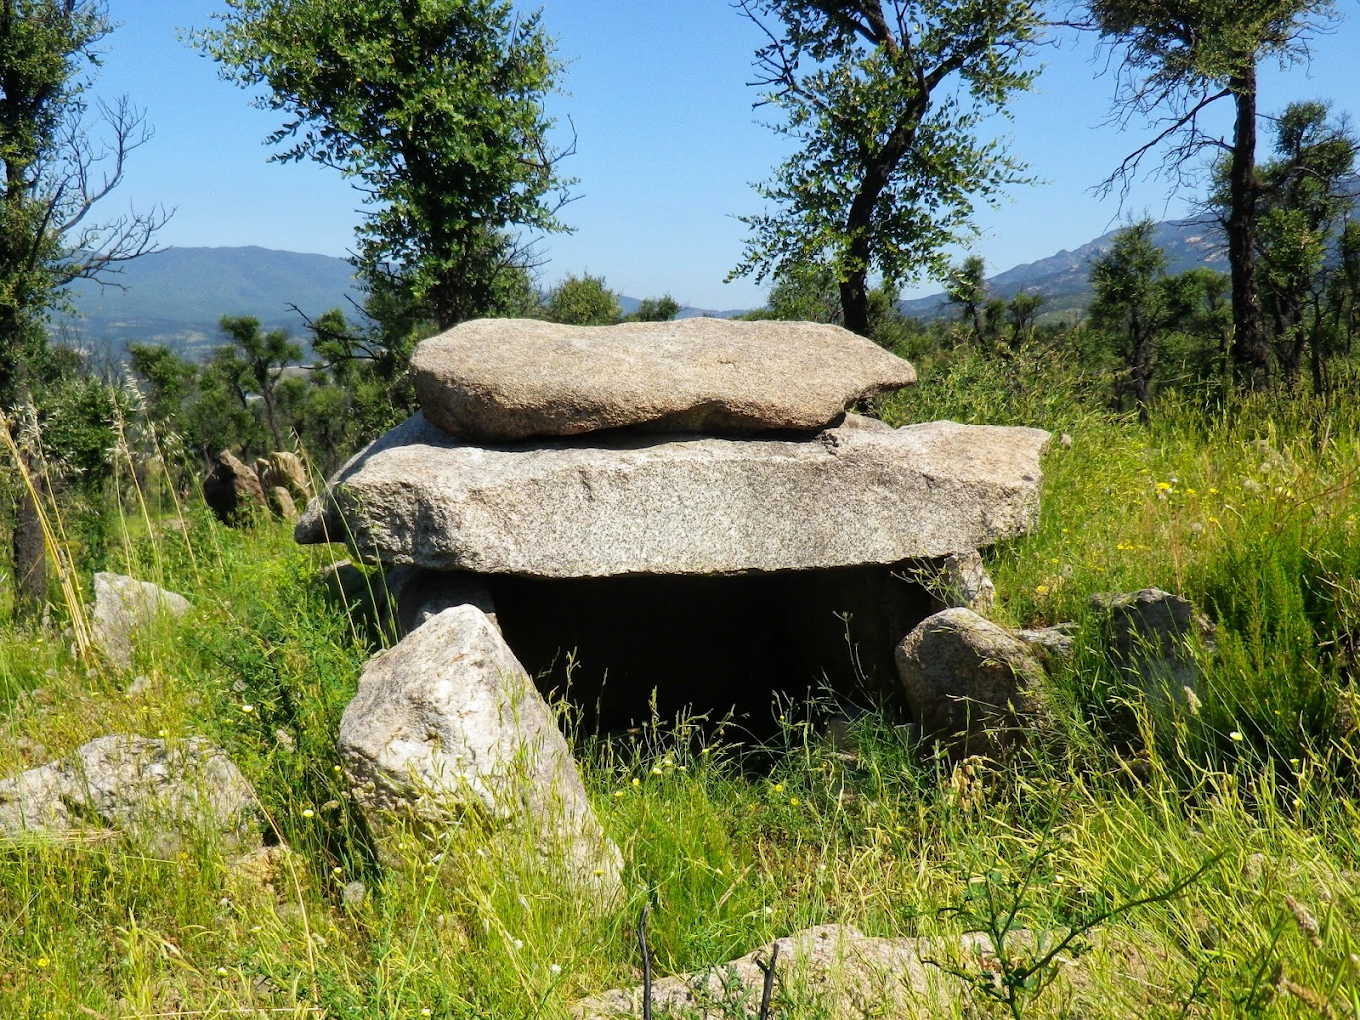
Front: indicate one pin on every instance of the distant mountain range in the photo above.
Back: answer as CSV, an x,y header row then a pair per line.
x,y
177,296
1064,279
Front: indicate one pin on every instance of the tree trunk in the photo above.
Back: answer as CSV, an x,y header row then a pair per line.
x,y
1318,353
875,174
29,549
444,300
1142,368
1250,349
855,303
271,413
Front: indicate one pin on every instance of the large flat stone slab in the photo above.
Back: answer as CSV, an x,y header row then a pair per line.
x,y
630,504
506,379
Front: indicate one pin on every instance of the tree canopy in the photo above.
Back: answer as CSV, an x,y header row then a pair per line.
x,y
435,107
582,301
885,100
1182,56
54,173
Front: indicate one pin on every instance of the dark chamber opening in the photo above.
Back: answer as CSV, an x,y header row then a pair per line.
x,y
713,646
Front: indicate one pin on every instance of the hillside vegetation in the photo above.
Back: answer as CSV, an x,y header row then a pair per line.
x,y
1205,853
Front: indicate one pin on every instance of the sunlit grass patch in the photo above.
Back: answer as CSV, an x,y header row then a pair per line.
x,y
1249,788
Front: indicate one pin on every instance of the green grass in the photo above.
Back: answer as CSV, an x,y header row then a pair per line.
x,y
1251,513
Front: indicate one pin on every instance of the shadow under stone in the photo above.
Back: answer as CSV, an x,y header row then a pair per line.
x,y
711,646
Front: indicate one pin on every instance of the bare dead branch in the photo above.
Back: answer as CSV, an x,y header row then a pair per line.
x,y
1123,175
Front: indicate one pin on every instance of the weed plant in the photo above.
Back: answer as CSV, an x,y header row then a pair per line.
x,y
1213,838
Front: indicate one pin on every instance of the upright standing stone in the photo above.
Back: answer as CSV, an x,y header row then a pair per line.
x,y
1153,634
971,684
447,723
966,583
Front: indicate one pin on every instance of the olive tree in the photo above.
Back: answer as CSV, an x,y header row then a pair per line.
x,y
885,100
435,108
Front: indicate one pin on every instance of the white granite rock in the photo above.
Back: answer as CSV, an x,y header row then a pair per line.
x,y
506,379
123,605
446,724
158,789
631,504
839,973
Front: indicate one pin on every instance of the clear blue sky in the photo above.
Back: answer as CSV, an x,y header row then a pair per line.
x,y
667,145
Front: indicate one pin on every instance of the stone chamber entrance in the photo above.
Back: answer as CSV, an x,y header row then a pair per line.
x,y
622,649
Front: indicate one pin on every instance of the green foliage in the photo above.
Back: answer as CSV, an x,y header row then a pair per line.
x,y
1307,195
662,309
43,47
993,905
361,386
807,293
582,301
886,171
435,107
1181,56
1183,44
1128,302
168,379
1022,310
253,363
966,288
251,395
239,400
1147,319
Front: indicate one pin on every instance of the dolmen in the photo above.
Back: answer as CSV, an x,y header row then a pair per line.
x,y
626,490
661,517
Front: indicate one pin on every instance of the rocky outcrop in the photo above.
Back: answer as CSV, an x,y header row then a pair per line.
x,y
122,606
283,469
233,491
278,484
507,379
157,790
446,723
972,685
629,504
